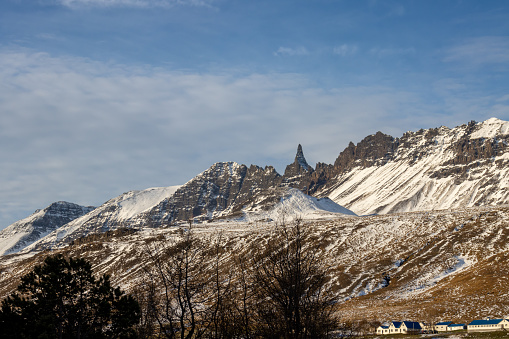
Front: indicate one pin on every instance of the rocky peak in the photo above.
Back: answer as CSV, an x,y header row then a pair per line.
x,y
26,231
301,160
298,174
299,165
373,149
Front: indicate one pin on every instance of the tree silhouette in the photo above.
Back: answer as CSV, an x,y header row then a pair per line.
x,y
62,299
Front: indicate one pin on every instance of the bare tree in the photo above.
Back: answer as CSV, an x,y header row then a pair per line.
x,y
290,283
222,314
177,286
281,291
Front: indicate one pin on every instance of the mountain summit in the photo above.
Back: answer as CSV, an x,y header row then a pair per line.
x,y
299,159
42,222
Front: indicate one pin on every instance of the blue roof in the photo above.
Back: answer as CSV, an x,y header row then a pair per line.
x,y
408,324
412,324
486,322
456,325
444,323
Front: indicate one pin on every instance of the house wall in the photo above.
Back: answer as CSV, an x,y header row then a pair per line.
x,y
455,328
406,330
441,328
485,328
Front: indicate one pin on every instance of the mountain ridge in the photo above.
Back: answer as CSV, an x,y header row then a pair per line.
x,y
436,168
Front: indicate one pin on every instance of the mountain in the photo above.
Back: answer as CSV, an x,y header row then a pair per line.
x,y
432,243
438,168
138,209
42,222
125,210
287,203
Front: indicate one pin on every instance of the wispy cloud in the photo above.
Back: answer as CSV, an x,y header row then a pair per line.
x,y
47,36
389,52
480,51
90,131
133,3
291,51
345,50
397,11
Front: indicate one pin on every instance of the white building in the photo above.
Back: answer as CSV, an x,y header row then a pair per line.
x,y
488,325
397,327
456,327
442,326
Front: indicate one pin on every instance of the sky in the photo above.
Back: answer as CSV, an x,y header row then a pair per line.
x,y
100,97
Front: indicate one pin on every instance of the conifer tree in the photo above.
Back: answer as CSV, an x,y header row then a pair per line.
x,y
62,299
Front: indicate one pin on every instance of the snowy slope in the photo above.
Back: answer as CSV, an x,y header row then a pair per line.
x,y
42,222
440,170
292,204
125,210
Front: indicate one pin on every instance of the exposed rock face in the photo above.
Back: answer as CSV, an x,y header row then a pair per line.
x,y
438,168
224,188
298,174
374,149
206,195
299,165
42,222
220,191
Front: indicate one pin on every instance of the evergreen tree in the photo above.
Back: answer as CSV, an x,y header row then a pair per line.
x,y
63,299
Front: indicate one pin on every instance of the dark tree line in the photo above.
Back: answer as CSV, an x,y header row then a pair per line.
x,y
62,299
277,291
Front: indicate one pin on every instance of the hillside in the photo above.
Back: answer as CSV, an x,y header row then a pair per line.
x,y
431,242
421,265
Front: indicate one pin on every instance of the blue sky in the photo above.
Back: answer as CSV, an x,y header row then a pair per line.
x,y
99,97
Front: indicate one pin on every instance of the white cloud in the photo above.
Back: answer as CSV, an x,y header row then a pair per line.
x,y
345,50
389,52
504,98
133,3
47,36
83,131
291,51
480,51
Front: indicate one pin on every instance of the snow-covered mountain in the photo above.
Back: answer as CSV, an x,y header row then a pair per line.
x,y
438,168
126,210
42,222
409,261
433,169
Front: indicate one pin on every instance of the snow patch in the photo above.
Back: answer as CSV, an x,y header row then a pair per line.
x,y
296,204
490,129
140,201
